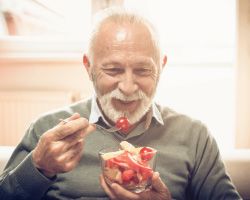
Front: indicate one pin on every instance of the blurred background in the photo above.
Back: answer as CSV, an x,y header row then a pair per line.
x,y
207,76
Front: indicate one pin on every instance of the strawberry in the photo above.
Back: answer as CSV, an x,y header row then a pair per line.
x,y
147,153
123,124
127,175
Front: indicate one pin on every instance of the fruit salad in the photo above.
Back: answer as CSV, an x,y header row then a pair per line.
x,y
130,167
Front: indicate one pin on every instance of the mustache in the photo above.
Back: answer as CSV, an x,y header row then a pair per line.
x,y
120,96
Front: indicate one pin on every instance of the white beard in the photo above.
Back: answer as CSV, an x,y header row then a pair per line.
x,y
113,114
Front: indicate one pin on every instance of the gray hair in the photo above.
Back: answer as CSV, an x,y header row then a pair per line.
x,y
120,16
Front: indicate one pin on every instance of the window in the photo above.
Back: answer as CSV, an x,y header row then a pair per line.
x,y
46,18
198,37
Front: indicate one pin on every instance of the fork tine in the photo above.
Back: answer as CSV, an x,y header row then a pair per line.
x,y
110,130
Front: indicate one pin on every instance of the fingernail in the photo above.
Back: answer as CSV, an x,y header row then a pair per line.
x,y
76,114
157,173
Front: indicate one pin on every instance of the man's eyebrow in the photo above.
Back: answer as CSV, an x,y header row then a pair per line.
x,y
146,62
143,63
111,63
144,59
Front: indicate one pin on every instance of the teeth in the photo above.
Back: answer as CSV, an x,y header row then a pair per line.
x,y
126,102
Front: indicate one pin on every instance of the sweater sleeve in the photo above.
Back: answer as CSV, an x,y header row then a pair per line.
x,y
21,179
209,179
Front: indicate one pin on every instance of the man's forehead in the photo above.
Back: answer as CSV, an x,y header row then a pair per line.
x,y
121,31
135,59
126,38
121,34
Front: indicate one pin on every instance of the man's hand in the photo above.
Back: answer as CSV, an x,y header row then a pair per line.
x,y
159,191
60,149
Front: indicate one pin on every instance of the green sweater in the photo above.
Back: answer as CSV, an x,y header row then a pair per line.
x,y
188,160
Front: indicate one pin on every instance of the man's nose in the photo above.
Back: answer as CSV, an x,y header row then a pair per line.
x,y
128,85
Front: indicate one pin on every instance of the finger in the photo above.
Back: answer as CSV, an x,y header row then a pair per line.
x,y
60,132
158,185
122,193
74,150
72,117
106,187
72,139
76,156
72,157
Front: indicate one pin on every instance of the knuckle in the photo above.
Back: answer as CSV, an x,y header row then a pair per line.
x,y
67,129
69,166
113,198
78,147
45,138
62,168
59,161
84,121
64,131
54,150
81,142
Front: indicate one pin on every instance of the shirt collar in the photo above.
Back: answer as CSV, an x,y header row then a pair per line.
x,y
96,114
157,114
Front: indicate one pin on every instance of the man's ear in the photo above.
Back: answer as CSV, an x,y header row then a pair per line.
x,y
86,63
164,61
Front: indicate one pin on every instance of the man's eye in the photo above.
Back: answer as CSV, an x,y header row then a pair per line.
x,y
113,71
143,71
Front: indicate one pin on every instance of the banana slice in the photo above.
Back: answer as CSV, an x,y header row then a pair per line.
x,y
127,146
110,155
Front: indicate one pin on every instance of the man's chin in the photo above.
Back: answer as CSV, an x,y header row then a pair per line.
x,y
124,112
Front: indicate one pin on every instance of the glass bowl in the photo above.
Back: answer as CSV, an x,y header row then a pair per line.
x,y
132,169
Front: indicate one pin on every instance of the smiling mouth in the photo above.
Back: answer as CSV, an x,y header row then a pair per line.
x,y
131,105
125,102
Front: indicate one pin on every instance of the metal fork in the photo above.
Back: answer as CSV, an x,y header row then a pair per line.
x,y
110,130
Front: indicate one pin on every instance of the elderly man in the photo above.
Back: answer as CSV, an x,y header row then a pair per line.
x,y
57,160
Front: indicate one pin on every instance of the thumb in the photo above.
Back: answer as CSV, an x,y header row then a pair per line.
x,y
158,184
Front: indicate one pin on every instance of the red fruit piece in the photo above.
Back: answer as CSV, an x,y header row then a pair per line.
x,y
135,179
146,174
123,124
137,166
109,163
147,153
118,161
127,175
